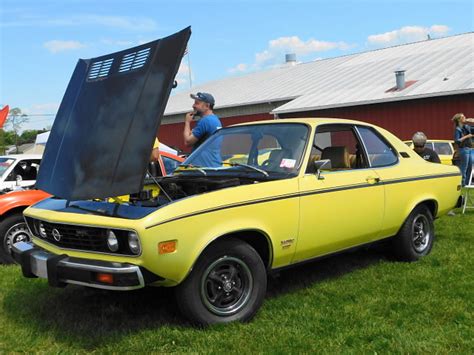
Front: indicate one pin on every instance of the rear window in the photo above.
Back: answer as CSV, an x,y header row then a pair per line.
x,y
443,148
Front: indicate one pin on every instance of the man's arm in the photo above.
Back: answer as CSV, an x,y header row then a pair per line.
x,y
188,136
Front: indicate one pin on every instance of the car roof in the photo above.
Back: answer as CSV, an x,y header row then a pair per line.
x,y
22,156
312,121
433,140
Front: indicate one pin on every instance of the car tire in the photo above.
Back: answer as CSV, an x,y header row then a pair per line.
x,y
12,229
416,237
227,284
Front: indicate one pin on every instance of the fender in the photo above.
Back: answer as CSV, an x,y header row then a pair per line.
x,y
24,198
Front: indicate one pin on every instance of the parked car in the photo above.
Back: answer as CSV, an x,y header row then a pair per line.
x,y
18,170
214,231
444,149
328,185
13,227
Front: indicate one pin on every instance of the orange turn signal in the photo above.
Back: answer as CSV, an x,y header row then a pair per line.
x,y
105,278
167,247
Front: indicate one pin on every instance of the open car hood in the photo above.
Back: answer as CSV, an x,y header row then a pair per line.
x,y
104,130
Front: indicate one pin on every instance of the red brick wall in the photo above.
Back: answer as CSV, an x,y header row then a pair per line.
x,y
403,118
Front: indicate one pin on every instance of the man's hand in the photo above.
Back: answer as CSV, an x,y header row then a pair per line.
x,y
189,139
189,117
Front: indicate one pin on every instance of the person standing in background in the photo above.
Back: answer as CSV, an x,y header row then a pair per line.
x,y
463,134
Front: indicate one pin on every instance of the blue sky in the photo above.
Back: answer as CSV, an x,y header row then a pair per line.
x,y
41,41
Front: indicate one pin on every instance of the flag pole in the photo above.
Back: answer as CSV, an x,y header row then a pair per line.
x,y
189,69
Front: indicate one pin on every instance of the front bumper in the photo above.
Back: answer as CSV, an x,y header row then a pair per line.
x,y
61,270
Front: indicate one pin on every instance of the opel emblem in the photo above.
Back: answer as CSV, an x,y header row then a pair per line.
x,y
56,235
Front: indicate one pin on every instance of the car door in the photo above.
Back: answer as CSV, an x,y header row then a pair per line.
x,y
343,207
384,160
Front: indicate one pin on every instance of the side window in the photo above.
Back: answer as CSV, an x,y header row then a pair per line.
x,y
170,164
27,169
443,148
379,151
340,145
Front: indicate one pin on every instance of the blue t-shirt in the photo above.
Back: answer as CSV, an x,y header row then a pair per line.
x,y
205,127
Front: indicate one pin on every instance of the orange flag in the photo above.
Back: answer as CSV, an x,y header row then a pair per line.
x,y
3,115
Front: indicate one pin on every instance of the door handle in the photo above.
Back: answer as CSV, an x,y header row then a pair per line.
x,y
372,180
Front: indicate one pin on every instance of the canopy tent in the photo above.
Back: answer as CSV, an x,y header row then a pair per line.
x,y
42,138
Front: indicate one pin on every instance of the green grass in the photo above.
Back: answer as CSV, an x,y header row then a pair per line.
x,y
360,302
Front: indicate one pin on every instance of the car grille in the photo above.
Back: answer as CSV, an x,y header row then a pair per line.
x,y
75,237
78,237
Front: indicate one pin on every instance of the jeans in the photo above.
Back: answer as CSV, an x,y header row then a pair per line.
x,y
465,155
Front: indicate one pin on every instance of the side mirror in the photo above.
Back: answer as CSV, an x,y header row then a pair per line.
x,y
319,165
19,179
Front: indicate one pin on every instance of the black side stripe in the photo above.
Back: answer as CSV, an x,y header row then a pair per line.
x,y
302,194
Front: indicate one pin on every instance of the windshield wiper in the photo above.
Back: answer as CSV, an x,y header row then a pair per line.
x,y
198,168
248,167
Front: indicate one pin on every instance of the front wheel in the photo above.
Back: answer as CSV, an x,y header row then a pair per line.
x,y
12,229
227,284
416,237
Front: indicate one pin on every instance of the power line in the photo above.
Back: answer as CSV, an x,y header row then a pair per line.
x,y
39,114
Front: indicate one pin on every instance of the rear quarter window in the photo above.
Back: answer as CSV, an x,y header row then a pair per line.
x,y
379,151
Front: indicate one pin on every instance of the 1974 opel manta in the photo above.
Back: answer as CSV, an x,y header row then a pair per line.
x,y
214,232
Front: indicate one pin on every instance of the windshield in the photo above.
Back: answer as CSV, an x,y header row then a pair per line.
x,y
261,149
5,163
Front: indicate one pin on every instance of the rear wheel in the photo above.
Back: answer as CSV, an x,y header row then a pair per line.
x,y
416,237
227,284
13,229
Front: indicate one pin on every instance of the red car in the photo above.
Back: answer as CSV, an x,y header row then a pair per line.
x,y
12,225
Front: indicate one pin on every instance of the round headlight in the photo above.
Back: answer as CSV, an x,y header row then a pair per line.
x,y
42,230
112,241
134,243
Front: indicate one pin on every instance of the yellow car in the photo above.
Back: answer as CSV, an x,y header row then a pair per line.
x,y
216,231
299,189
444,149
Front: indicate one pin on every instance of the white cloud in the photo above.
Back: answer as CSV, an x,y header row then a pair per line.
x,y
239,68
117,42
139,24
407,34
295,45
56,46
273,55
46,108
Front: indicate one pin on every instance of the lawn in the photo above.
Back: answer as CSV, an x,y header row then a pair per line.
x,y
360,302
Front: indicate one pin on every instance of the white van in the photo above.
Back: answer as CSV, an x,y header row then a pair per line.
x,y
18,170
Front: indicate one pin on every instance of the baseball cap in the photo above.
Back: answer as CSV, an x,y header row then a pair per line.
x,y
204,96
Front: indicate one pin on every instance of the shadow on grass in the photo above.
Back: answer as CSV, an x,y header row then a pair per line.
x,y
331,267
88,318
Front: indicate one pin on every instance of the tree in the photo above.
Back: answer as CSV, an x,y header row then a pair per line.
x,y
15,119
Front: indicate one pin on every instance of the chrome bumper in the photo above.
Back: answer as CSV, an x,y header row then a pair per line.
x,y
62,269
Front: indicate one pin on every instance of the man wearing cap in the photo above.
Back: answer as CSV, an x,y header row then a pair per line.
x,y
419,141
206,126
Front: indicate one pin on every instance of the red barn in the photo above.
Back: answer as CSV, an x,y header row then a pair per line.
x,y
406,88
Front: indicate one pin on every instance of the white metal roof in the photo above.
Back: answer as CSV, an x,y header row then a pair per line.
x,y
443,66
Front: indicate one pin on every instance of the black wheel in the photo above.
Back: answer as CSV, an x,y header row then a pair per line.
x,y
416,237
12,229
228,283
